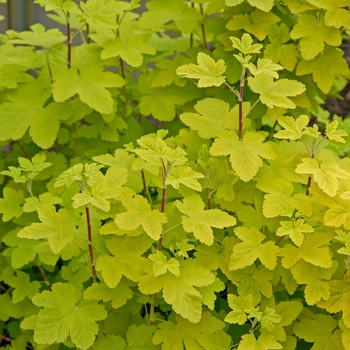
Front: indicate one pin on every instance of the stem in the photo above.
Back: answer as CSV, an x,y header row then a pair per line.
x,y
6,338
272,130
48,64
69,42
232,89
240,104
91,252
22,149
252,327
145,189
250,109
191,34
279,240
205,45
43,274
121,63
87,28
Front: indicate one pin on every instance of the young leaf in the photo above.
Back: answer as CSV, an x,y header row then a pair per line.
x,y
295,230
314,33
11,204
161,265
333,133
138,213
63,314
245,253
325,174
23,287
200,221
58,228
264,65
245,45
293,129
209,72
239,305
275,93
179,291
245,154
184,175
53,5
124,261
312,250
264,342
325,68
70,176
90,83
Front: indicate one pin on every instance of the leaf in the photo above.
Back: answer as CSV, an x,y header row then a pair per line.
x,y
318,331
245,45
245,154
182,333
333,133
264,342
38,36
338,301
239,305
275,94
295,230
184,175
179,291
70,176
160,13
209,72
277,50
138,213
11,204
58,228
325,174
324,68
314,33
53,5
161,265
200,221
11,75
140,337
293,129
213,115
245,253
255,23
264,65
217,341
335,16
63,314
124,261
130,49
90,84
23,287
312,250
118,295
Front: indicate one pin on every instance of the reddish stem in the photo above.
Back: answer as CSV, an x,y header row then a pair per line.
x,y
240,112
205,45
145,190
279,240
191,34
121,63
91,252
69,43
43,274
22,149
6,338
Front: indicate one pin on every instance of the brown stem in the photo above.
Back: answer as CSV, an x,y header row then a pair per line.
x,y
75,142
121,63
279,240
91,252
205,45
6,338
43,274
22,149
240,112
88,40
272,130
69,43
191,34
145,189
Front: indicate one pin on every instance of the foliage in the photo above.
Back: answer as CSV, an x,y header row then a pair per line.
x,y
171,179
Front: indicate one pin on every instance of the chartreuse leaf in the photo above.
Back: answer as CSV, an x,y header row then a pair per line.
x,y
220,340
184,175
293,128
338,300
312,250
161,265
295,230
264,342
262,5
70,176
11,204
179,291
213,115
90,83
314,33
245,253
23,287
57,227
101,14
138,213
335,134
118,295
11,75
277,50
320,332
124,260
200,221
264,65
209,72
63,314
209,293
255,23
245,45
160,13
181,333
37,36
53,5
130,49
325,68
239,305
336,15
245,154
315,278
325,174
275,93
